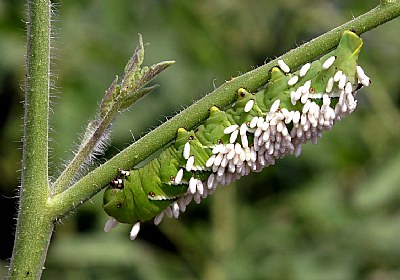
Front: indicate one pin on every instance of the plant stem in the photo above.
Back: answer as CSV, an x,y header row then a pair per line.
x,y
93,182
34,226
85,150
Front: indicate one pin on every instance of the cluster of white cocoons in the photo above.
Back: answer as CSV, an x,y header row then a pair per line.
x,y
271,136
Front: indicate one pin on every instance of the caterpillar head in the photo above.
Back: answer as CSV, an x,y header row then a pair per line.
x,y
118,202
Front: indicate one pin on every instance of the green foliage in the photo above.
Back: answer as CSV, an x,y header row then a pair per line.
x,y
333,213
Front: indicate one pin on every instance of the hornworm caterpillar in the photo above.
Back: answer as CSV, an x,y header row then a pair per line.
x,y
291,109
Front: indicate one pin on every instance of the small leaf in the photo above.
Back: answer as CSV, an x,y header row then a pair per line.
x,y
121,95
137,58
108,99
154,70
132,98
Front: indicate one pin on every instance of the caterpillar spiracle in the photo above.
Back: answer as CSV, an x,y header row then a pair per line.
x,y
291,109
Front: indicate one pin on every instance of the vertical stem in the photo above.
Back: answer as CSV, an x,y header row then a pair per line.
x,y
34,226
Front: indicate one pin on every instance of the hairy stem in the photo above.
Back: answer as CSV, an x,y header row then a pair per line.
x,y
34,226
85,150
93,182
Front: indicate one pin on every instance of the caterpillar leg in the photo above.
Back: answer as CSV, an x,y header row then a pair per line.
x,y
123,173
118,182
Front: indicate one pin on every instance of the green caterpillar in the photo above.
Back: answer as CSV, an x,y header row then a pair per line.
x,y
257,129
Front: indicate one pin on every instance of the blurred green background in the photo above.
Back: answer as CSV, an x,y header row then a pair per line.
x,y
332,213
